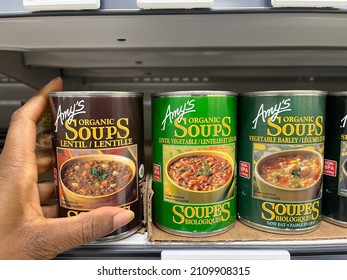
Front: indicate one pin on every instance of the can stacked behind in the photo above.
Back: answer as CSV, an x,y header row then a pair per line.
x,y
44,132
281,160
335,162
98,145
194,149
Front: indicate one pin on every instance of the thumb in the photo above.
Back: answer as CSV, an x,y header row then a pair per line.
x,y
67,233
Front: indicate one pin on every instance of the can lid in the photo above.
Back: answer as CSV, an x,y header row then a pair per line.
x,y
284,92
187,93
95,94
338,93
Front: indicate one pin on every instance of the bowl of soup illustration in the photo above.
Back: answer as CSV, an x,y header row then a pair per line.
x,y
293,175
199,176
92,181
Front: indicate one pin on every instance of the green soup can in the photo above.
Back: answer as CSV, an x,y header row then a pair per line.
x,y
335,162
281,159
194,167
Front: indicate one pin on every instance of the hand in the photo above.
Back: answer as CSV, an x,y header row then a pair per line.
x,y
27,230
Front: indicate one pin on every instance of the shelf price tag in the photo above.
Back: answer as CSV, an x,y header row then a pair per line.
x,y
225,255
174,4
55,5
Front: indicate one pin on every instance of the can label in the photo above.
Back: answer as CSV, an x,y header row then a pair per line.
x,y
335,163
281,160
98,143
194,142
44,132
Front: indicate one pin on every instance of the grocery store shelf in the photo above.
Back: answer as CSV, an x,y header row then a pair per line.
x,y
16,8
201,49
177,31
237,45
138,247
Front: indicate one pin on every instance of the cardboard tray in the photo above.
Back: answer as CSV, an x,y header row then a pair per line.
x,y
243,233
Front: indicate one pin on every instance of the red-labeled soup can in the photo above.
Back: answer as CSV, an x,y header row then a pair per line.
x,y
99,154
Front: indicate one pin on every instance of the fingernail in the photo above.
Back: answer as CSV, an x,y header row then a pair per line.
x,y
123,218
56,78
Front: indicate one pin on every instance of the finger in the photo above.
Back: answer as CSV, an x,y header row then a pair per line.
x,y
87,227
44,162
21,136
46,192
50,211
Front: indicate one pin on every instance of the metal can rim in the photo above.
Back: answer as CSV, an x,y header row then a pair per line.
x,y
284,92
187,93
338,93
95,93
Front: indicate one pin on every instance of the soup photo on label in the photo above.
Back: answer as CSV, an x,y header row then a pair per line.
x,y
201,172
199,176
91,181
290,175
291,171
94,178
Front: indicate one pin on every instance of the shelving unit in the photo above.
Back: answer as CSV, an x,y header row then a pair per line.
x,y
237,45
138,247
228,47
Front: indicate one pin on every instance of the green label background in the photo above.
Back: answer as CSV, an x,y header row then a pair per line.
x,y
204,106
250,208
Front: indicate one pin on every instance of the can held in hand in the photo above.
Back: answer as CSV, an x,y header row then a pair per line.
x,y
281,159
99,153
335,162
194,150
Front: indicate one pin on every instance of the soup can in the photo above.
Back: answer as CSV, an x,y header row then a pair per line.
x,y
44,132
194,149
99,153
335,162
281,160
